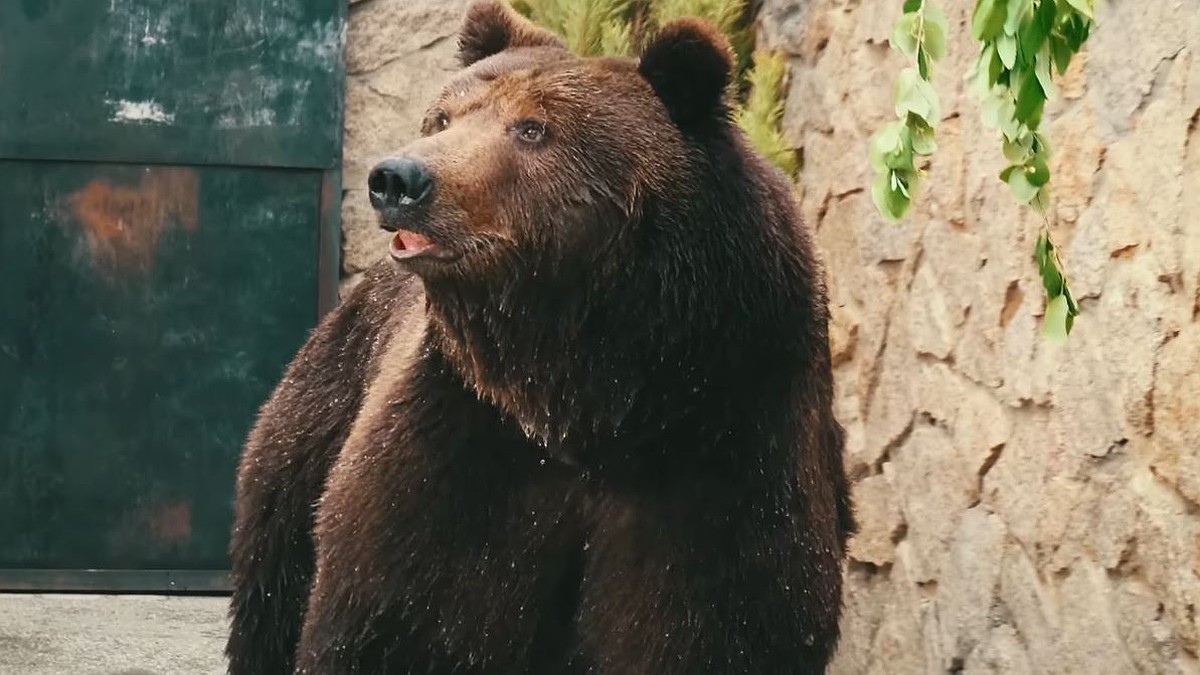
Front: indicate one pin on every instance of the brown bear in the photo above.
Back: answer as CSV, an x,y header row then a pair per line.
x,y
580,420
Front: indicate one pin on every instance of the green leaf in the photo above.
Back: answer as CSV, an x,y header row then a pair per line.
x,y
923,63
1041,69
1041,249
1006,47
935,33
998,111
922,136
1030,100
1019,150
901,180
1084,7
1032,36
988,20
995,68
1035,120
902,157
1075,30
905,36
1009,126
1085,29
1016,12
1071,306
1008,172
1041,146
886,145
1061,53
1047,262
1022,189
989,112
1037,172
1054,325
912,5
1047,12
915,95
978,75
1041,203
891,202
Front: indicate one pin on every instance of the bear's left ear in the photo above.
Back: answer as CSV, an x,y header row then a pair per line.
x,y
689,65
492,27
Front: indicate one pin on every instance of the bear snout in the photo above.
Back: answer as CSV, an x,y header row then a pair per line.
x,y
399,182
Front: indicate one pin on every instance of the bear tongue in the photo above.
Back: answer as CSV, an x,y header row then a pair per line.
x,y
410,241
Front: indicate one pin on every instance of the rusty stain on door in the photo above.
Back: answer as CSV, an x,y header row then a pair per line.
x,y
152,526
122,224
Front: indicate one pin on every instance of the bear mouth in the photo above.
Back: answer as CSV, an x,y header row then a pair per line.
x,y
406,245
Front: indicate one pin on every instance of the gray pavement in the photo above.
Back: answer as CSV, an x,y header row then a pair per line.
x,y
111,635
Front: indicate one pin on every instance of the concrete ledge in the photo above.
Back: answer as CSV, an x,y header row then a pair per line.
x,y
42,634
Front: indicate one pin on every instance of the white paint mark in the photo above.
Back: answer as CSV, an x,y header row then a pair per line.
x,y
326,42
263,117
139,112
153,34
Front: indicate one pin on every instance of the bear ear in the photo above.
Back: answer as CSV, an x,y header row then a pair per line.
x,y
491,27
689,65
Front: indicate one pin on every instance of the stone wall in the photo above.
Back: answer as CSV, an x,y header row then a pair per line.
x,y
1025,508
399,53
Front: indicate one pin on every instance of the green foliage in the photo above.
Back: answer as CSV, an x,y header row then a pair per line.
x,y
920,34
760,115
619,27
589,27
1022,44
1023,41
725,14
1061,309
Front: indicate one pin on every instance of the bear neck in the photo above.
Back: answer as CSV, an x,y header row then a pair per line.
x,y
547,350
595,369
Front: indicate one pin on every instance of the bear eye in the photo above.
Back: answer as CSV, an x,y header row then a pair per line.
x,y
436,122
530,131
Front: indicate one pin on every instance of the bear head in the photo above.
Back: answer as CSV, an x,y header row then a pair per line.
x,y
596,239
532,159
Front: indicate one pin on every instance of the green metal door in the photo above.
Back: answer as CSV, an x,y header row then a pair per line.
x,y
168,234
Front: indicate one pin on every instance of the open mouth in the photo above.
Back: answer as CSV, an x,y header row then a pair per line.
x,y
407,245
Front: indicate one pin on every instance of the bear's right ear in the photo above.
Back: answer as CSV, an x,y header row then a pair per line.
x,y
689,65
492,27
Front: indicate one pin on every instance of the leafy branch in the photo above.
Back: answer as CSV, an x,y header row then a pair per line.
x,y
1022,43
921,35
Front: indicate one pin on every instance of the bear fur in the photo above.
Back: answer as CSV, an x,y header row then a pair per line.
x,y
581,422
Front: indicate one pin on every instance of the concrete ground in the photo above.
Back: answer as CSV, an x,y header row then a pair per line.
x,y
111,634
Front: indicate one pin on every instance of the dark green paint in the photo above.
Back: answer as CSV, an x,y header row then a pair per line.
x,y
128,392
144,320
238,82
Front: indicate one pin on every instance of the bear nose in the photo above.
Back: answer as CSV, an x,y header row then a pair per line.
x,y
399,182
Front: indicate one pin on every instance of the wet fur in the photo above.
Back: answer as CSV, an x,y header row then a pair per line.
x,y
617,456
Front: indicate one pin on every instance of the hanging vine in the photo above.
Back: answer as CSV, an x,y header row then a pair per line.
x,y
1022,44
